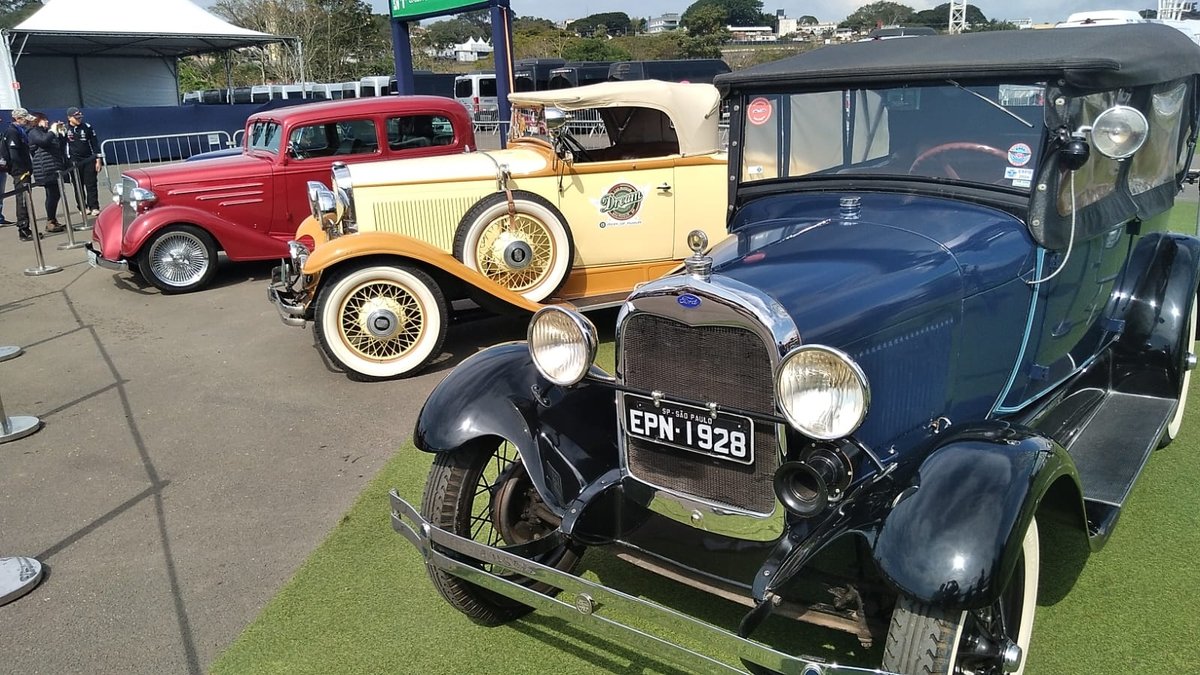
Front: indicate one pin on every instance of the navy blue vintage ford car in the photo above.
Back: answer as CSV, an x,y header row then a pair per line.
x,y
948,305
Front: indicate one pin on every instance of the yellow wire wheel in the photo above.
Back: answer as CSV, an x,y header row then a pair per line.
x,y
383,321
527,249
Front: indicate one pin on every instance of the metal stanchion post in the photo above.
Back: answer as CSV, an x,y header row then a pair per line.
x,y
18,574
42,267
70,243
20,426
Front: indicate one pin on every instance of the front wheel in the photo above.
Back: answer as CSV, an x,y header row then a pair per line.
x,y
380,321
483,492
989,641
178,259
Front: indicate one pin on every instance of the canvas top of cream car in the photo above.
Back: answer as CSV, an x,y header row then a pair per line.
x,y
592,197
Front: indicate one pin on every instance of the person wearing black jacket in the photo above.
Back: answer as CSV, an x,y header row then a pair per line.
x,y
83,151
18,163
49,160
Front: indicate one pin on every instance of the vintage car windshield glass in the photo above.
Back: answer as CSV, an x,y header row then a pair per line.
x,y
418,131
983,134
604,134
265,135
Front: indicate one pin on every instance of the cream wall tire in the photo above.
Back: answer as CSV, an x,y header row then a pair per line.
x,y
530,253
927,639
380,321
1176,422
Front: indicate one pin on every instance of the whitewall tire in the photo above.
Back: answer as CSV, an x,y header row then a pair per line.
x,y
380,321
529,252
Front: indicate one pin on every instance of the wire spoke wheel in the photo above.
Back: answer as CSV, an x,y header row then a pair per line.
x,y
178,258
517,253
522,245
482,491
380,321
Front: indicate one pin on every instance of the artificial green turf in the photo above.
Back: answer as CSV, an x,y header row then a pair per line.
x,y
362,603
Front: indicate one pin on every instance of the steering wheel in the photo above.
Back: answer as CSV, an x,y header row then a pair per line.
x,y
572,144
957,146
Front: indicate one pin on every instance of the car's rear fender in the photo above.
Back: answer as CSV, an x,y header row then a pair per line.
x,y
238,241
1153,301
567,437
953,538
343,250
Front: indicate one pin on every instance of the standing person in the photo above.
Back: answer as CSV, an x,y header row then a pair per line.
x,y
83,150
49,159
4,222
18,163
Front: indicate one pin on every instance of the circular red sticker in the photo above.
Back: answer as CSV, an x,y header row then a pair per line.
x,y
759,111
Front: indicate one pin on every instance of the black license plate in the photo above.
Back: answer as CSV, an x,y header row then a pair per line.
x,y
723,436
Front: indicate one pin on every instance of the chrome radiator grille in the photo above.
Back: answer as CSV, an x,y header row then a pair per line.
x,y
722,364
127,212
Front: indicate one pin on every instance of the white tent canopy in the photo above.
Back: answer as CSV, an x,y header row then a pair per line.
x,y
114,52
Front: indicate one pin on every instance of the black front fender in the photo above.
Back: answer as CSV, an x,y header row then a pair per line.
x,y
567,437
954,537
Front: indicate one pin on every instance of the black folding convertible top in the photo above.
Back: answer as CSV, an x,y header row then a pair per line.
x,y
1091,58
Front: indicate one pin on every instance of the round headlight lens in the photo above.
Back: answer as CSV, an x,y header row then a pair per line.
x,y
1119,131
563,344
822,392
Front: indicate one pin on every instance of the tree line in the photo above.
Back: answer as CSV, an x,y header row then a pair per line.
x,y
343,40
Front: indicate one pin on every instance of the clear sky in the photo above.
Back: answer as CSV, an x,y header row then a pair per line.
x,y
824,10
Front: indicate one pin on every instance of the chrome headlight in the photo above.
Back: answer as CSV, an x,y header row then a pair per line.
x,y
140,197
563,344
1119,131
118,190
322,204
343,190
822,392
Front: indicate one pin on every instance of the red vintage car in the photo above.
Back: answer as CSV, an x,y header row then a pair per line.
x,y
169,221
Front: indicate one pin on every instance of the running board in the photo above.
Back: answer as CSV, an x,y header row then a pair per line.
x,y
1113,448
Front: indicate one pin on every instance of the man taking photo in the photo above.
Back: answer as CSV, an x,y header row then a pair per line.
x,y
83,151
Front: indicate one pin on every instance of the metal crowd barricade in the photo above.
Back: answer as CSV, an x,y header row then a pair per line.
x,y
238,137
586,123
121,153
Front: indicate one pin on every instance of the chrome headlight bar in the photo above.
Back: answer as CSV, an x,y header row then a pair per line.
x,y
343,190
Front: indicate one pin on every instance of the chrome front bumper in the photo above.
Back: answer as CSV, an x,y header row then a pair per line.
x,y
96,260
286,291
586,600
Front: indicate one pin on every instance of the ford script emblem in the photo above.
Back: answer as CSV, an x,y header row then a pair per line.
x,y
688,300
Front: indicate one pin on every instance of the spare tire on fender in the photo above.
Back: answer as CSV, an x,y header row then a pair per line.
x,y
529,251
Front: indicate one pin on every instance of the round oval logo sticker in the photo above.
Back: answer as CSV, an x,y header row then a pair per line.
x,y
1019,154
688,301
759,111
622,202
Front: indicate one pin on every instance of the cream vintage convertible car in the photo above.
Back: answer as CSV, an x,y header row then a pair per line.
x,y
593,196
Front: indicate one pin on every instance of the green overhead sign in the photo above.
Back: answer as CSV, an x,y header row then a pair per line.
x,y
419,9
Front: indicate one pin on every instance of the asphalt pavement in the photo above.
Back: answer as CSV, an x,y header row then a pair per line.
x,y
194,452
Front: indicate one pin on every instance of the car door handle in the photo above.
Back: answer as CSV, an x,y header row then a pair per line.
x,y
665,187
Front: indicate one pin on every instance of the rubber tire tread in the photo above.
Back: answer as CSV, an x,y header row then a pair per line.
x,y
920,637
323,341
473,213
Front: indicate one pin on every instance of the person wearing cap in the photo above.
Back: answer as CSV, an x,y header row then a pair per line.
x,y
18,163
49,160
83,151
